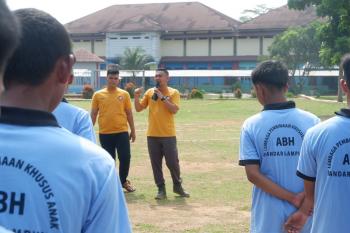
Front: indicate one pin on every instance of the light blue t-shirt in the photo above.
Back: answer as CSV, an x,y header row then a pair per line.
x,y
3,230
325,159
75,120
272,139
54,181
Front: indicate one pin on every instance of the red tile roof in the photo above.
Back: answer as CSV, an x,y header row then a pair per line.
x,y
281,18
82,55
181,16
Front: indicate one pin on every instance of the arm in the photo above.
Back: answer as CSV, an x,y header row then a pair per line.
x,y
137,93
94,113
130,118
85,128
297,220
258,179
173,108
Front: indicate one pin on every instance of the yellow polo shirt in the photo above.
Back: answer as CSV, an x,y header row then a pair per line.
x,y
160,119
112,106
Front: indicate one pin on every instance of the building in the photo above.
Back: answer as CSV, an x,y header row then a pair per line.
x,y
185,36
86,70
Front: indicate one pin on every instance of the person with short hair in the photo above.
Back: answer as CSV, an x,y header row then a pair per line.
x,y
9,37
112,107
50,179
324,165
163,102
269,149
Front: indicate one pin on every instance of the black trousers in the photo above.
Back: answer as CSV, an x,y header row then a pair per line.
x,y
119,141
159,147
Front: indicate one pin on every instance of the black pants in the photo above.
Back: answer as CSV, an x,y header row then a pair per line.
x,y
159,147
119,141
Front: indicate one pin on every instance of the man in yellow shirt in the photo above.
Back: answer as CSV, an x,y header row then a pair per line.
x,y
112,105
163,103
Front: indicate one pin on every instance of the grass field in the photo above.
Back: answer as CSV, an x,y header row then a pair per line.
x,y
208,142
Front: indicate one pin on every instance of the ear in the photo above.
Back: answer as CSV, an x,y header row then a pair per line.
x,y
71,77
63,70
344,86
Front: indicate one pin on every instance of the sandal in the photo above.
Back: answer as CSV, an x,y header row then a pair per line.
x,y
128,187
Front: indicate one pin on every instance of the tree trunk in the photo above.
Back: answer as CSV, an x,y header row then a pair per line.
x,y
340,93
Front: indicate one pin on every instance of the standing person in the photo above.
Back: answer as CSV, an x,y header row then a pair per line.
x,y
112,105
324,164
9,36
75,120
50,179
269,149
163,102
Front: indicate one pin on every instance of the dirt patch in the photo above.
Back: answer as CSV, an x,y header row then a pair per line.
x,y
184,217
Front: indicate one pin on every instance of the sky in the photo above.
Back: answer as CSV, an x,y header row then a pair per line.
x,y
66,11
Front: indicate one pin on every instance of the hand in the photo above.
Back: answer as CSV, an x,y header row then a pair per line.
x,y
138,91
298,199
158,92
295,222
132,136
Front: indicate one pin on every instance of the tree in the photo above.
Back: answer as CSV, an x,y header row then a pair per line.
x,y
249,14
334,34
299,49
135,59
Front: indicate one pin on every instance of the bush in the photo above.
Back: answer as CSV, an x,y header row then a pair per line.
x,y
290,95
88,91
196,94
236,85
130,87
238,93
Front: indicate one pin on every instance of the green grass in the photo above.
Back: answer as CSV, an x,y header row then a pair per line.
x,y
208,141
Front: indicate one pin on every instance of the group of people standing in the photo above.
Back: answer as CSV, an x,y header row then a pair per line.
x,y
112,106
52,180
300,167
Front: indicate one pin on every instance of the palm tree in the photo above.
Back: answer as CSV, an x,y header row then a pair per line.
x,y
135,59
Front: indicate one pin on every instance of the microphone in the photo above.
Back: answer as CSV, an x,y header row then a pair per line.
x,y
155,96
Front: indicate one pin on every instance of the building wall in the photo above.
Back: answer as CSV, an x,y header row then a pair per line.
x,y
80,44
248,46
197,47
172,48
222,47
116,43
100,48
85,65
266,43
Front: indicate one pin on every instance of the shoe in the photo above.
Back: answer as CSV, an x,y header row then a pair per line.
x,y
161,195
128,187
178,189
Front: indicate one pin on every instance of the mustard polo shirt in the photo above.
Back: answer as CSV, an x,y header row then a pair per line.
x,y
112,106
160,119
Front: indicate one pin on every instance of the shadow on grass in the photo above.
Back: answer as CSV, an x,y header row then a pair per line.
x,y
176,202
134,197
